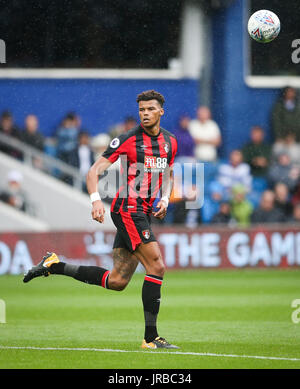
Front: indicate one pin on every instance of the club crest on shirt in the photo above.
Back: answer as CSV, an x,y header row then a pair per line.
x,y
114,143
166,147
146,234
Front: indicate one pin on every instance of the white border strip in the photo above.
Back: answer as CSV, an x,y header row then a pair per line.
x,y
146,351
272,81
171,74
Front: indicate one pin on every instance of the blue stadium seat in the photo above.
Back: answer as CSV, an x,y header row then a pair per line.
x,y
209,209
254,198
50,150
210,169
259,184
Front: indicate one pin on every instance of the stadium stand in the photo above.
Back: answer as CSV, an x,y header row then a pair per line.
x,y
46,162
15,220
71,204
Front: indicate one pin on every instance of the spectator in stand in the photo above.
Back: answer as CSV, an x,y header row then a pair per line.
x,y
186,150
8,127
282,170
267,212
67,138
282,199
257,153
212,201
13,194
31,134
241,208
99,144
83,158
206,134
176,197
235,172
295,218
33,137
224,214
295,196
121,128
288,146
186,143
286,115
182,214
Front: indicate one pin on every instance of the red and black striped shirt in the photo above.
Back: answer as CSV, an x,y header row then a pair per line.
x,y
144,161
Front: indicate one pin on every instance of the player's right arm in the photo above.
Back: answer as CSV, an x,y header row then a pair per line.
x,y
92,186
116,147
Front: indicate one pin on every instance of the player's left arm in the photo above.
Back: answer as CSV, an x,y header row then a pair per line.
x,y
167,187
167,183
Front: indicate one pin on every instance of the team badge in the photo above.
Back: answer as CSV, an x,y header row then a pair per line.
x,y
166,147
146,234
114,143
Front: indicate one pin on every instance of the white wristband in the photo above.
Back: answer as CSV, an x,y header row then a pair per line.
x,y
165,199
95,196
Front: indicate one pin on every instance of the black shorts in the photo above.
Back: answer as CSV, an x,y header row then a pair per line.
x,y
132,229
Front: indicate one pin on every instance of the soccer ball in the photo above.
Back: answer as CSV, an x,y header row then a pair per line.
x,y
264,26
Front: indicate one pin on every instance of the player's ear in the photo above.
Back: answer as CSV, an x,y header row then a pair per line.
x,y
162,111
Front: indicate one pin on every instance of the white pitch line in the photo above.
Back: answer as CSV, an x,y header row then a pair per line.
x,y
136,351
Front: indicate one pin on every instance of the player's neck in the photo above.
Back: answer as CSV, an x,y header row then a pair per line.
x,y
152,131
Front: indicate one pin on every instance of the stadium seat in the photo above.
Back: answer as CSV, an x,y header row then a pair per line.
x,y
254,198
259,184
209,209
211,169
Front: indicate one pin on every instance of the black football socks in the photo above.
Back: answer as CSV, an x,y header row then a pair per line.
x,y
99,276
151,303
89,274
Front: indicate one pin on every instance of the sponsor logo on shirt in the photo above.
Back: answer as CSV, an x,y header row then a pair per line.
x,y
154,164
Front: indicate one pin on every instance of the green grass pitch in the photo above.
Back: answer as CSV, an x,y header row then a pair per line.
x,y
236,316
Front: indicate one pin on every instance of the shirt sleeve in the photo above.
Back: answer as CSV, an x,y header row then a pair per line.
x,y
116,147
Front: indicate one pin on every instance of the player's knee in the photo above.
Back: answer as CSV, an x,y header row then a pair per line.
x,y
121,285
161,269
158,267
117,283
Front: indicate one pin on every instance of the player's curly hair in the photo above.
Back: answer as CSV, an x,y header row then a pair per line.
x,y
151,95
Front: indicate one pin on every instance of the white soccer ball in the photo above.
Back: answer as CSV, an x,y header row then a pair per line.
x,y
264,26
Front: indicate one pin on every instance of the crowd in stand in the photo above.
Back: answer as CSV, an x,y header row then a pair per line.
x,y
258,183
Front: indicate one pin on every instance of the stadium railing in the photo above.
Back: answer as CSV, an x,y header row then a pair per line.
x,y
47,163
53,166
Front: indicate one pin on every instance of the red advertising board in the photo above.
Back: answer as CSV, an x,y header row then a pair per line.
x,y
272,246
